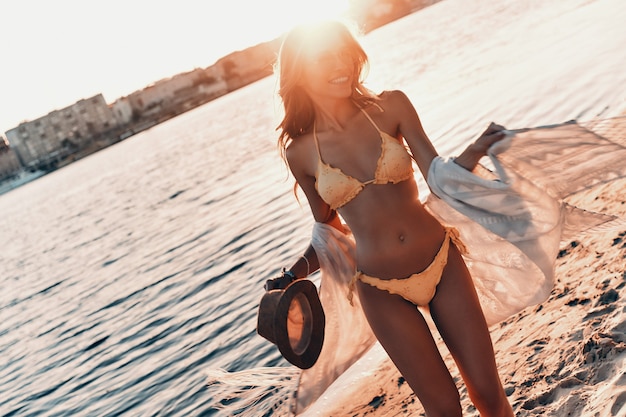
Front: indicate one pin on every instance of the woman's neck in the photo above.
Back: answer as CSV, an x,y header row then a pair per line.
x,y
334,114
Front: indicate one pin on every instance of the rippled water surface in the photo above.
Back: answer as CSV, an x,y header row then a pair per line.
x,y
127,275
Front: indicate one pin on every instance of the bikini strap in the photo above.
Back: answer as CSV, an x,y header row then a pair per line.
x,y
317,145
370,118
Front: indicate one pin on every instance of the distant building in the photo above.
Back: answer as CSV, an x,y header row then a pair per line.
x,y
171,96
122,111
203,85
60,133
4,144
9,164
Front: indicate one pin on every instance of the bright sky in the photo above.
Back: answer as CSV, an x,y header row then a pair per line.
x,y
53,53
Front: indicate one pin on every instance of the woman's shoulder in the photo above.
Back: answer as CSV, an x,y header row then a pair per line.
x,y
300,143
394,105
299,149
393,98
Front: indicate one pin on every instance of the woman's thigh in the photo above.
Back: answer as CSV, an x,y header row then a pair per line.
x,y
404,334
456,311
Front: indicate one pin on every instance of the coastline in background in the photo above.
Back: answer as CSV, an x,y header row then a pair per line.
x,y
66,135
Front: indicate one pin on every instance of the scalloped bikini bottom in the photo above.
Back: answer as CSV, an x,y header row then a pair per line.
x,y
420,287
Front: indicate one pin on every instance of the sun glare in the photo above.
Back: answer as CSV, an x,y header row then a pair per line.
x,y
302,11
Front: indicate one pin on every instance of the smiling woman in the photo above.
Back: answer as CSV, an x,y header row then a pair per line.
x,y
351,152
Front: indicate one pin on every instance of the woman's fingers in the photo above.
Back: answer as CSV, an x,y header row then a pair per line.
x,y
491,135
494,128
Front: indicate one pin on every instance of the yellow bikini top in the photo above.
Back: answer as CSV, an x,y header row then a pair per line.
x,y
338,189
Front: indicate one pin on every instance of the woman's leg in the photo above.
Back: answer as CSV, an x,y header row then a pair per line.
x,y
403,332
456,312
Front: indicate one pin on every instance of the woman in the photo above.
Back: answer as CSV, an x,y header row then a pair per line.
x,y
346,148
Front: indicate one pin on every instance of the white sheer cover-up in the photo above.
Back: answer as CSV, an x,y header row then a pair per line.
x,y
347,331
513,220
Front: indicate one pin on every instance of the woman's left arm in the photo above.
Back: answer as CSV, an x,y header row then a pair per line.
x,y
410,127
469,158
423,151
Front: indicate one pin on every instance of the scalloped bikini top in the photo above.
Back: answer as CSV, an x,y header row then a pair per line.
x,y
337,188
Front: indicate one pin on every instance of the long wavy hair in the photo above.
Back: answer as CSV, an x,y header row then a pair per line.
x,y
299,112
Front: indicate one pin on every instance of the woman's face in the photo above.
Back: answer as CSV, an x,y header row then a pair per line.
x,y
329,68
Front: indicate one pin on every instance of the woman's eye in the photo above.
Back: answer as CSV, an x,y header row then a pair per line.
x,y
324,58
328,57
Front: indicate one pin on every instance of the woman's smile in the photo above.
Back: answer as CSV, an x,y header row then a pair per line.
x,y
339,80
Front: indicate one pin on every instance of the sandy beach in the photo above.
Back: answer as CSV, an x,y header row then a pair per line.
x,y
564,357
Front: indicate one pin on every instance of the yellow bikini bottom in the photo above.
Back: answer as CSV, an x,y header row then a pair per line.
x,y
420,287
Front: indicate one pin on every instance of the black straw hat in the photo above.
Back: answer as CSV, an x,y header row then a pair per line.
x,y
293,319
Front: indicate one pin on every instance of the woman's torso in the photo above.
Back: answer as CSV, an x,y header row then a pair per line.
x,y
395,235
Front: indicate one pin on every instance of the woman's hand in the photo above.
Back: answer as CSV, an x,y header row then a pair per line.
x,y
491,135
281,282
471,155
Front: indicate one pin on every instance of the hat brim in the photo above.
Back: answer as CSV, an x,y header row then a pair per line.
x,y
299,323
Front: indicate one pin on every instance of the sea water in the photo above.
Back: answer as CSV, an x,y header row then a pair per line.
x,y
126,277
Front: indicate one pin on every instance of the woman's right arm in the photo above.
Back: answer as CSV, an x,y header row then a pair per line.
x,y
300,164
